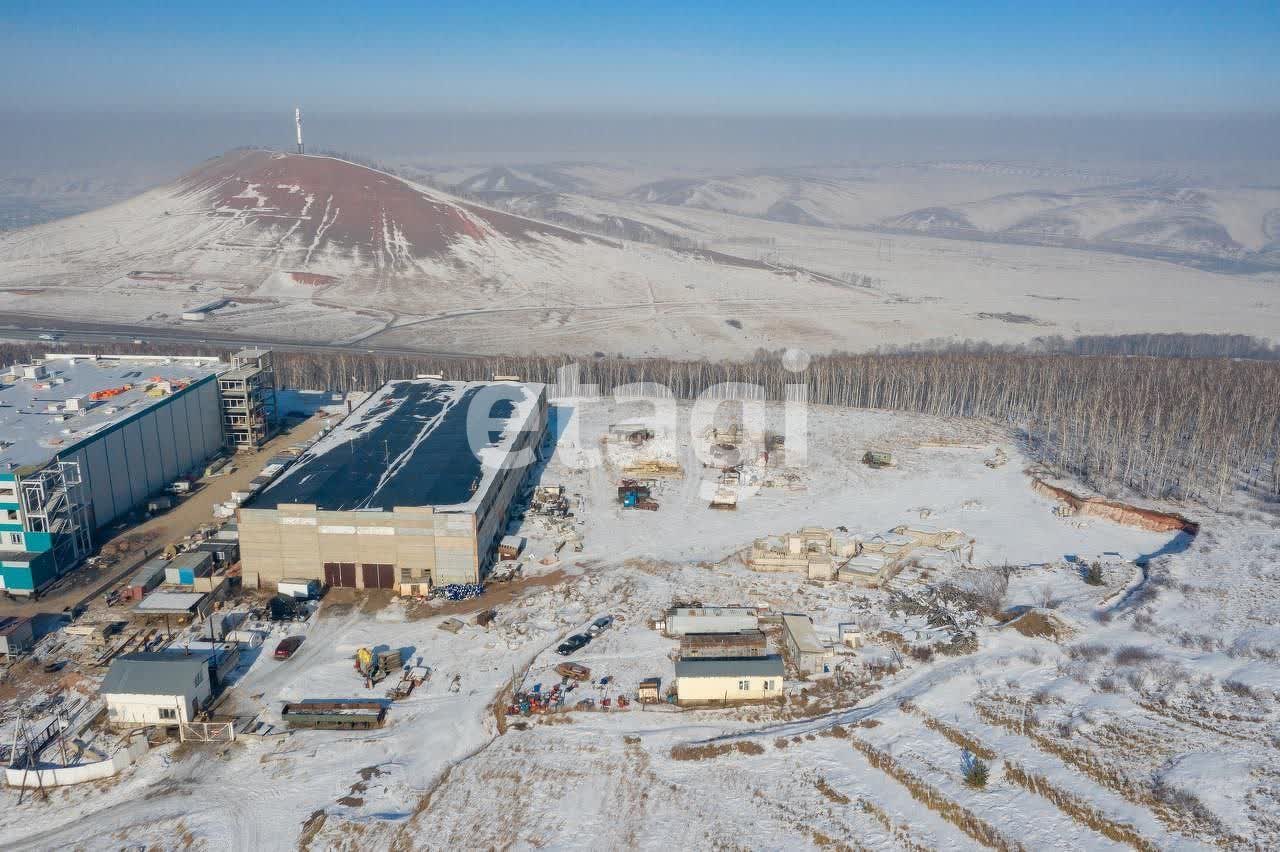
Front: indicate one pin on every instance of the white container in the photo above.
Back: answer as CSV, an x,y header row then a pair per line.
x,y
300,589
248,638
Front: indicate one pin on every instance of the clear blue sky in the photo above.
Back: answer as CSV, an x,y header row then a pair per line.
x,y
731,57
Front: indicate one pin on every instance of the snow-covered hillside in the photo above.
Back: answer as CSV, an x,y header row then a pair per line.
x,y
313,249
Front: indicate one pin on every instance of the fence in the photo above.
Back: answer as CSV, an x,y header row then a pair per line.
x,y
64,775
207,732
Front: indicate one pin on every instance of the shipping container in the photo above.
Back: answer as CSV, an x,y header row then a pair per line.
x,y
299,589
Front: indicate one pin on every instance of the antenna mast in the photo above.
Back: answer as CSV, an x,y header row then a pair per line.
x,y
297,120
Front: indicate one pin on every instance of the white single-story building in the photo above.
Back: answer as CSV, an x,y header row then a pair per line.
x,y
158,688
728,680
710,619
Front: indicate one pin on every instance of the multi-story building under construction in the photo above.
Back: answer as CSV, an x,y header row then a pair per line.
x,y
248,393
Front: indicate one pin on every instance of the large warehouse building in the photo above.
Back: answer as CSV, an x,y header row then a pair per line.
x,y
86,440
410,490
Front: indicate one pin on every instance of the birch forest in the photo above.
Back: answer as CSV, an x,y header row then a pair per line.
x,y
1164,427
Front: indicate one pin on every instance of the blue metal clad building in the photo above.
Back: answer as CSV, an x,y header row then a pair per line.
x,y
84,441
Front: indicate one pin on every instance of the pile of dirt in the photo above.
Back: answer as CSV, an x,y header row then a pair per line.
x,y
1039,624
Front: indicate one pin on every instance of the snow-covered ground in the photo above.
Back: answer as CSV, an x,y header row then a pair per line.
x,y
1151,713
547,290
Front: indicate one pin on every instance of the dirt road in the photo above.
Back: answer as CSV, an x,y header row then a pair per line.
x,y
154,533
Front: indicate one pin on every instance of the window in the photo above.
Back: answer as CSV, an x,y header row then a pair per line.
x,y
168,713
11,514
744,685
768,685
13,538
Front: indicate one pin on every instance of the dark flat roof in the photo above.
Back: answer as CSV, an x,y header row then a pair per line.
x,y
770,666
407,445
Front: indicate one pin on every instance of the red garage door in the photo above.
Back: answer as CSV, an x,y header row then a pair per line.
x,y
340,575
378,576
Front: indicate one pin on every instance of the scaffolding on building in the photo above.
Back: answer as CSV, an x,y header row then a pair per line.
x,y
248,392
52,504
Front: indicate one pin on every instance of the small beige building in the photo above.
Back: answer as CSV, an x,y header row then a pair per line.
x,y
729,680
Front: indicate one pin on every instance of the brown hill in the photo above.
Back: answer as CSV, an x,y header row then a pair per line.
x,y
329,204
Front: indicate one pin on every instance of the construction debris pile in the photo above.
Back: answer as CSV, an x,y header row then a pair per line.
x,y
824,554
950,620
549,516
642,450
460,591
745,459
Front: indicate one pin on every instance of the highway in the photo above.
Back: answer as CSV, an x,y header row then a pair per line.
x,y
30,327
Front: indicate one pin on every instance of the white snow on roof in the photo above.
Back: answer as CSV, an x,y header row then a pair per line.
x,y
162,602
35,424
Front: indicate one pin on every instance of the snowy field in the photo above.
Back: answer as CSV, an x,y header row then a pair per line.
x,y
1145,716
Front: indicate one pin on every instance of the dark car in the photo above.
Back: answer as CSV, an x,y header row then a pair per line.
x,y
600,625
287,646
573,643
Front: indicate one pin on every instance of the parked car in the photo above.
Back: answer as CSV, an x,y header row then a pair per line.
x,y
288,645
50,336
600,625
574,643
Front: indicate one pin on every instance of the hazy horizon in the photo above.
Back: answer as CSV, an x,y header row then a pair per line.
x,y
169,142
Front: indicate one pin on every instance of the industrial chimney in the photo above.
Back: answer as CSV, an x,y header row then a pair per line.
x,y
297,120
